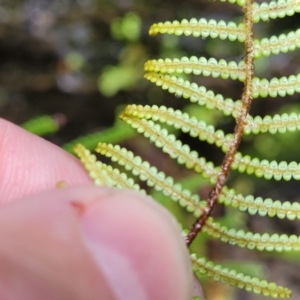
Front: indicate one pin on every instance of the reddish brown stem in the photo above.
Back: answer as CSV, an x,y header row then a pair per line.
x,y
238,130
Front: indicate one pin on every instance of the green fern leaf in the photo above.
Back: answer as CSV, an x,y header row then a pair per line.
x,y
144,119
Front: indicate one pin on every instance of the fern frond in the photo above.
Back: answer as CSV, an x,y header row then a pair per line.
x,y
181,121
275,9
201,27
260,206
266,169
276,87
182,153
93,166
242,163
277,123
224,275
152,177
260,87
173,147
272,10
178,119
251,240
180,87
263,87
143,120
276,44
103,174
198,66
242,239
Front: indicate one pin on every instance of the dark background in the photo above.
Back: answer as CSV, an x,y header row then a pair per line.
x,y
84,60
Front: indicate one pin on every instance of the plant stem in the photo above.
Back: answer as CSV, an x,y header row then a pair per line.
x,y
239,127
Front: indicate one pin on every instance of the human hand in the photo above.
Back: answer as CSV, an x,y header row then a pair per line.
x,y
81,241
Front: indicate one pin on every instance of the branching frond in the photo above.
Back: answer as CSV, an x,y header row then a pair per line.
x,y
182,153
143,118
103,174
178,119
152,176
260,87
173,147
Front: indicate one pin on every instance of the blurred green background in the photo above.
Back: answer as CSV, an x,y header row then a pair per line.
x,y
81,61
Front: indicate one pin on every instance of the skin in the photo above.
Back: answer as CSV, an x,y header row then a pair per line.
x,y
80,241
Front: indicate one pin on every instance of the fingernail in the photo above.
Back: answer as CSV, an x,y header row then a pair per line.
x,y
115,265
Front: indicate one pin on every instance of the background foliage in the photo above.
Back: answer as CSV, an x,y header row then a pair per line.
x,y
79,61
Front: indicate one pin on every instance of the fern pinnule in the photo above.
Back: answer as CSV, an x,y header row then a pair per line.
x,y
276,44
276,86
258,205
103,174
273,124
201,27
197,94
250,284
93,166
273,10
265,241
197,66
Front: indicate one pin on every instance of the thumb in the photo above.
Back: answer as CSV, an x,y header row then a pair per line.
x,y
91,243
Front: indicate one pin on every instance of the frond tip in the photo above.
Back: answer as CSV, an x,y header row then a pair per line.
x,y
201,27
103,174
198,66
